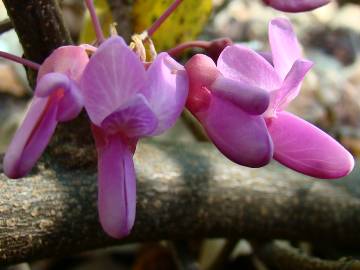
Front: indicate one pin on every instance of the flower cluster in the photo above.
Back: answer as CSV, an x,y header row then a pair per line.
x,y
239,100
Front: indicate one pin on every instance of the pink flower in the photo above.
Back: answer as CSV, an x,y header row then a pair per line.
x,y
296,5
230,110
56,99
126,102
297,144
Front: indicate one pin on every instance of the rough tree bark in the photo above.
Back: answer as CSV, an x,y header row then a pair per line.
x,y
40,28
184,191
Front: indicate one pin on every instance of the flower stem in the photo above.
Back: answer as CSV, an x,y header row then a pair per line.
x,y
20,60
163,17
95,21
188,45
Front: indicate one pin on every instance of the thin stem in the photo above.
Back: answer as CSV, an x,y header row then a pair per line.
x,y
95,21
5,26
188,45
20,60
163,17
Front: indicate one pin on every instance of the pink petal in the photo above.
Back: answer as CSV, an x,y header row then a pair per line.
x,y
242,64
284,45
133,119
71,104
251,99
50,83
241,137
69,60
202,72
305,148
31,138
70,100
291,86
114,75
116,185
296,5
166,91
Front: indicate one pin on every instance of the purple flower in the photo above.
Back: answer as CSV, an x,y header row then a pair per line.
x,y
297,144
230,110
56,99
296,5
126,102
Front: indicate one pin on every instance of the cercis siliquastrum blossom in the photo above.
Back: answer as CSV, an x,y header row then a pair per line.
x,y
125,102
230,112
296,5
228,98
56,99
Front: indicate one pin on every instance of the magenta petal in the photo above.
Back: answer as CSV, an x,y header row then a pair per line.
x,y
134,119
31,138
66,91
305,148
241,137
166,91
70,104
114,75
285,48
296,5
116,186
250,98
51,82
291,85
242,64
69,60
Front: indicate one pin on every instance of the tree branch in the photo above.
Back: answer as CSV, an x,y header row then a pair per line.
x,y
5,26
40,28
184,191
279,255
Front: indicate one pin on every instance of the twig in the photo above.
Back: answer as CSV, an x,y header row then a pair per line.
x,y
282,256
5,26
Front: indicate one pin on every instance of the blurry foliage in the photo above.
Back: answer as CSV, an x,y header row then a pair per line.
x,y
186,23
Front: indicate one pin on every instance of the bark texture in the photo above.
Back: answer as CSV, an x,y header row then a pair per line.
x,y
184,191
40,28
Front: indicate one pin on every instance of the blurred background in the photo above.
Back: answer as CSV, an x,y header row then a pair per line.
x,y
330,98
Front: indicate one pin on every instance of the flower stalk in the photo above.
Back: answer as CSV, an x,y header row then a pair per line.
x,y
20,60
151,30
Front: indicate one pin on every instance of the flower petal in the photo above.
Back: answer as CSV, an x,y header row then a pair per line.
x,y
51,82
66,90
71,103
305,148
31,138
166,91
296,5
241,137
242,64
251,99
285,47
69,60
116,185
133,119
290,87
114,74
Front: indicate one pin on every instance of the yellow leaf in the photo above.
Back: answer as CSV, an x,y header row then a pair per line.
x,y
185,24
87,34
